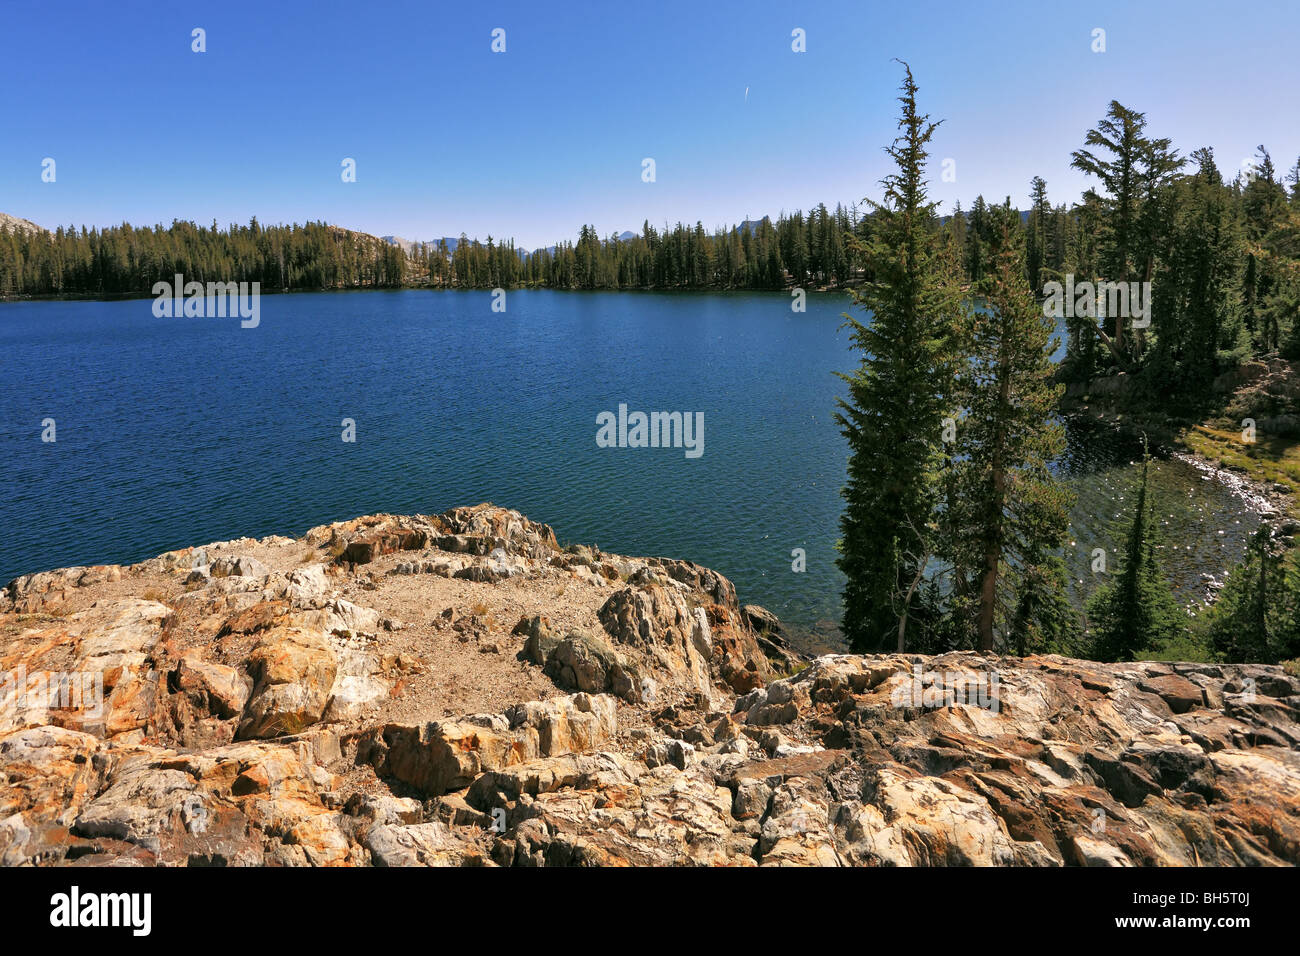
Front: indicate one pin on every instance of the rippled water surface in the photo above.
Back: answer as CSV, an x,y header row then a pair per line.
x,y
174,432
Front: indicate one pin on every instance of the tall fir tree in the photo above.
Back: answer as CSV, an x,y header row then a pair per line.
x,y
1037,243
898,397
1010,514
1195,305
1134,175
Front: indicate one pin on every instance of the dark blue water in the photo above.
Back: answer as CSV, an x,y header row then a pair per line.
x,y
172,432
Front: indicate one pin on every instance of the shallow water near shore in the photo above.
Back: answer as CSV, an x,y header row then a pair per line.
x,y
173,432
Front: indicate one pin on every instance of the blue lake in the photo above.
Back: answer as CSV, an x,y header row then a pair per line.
x,y
175,431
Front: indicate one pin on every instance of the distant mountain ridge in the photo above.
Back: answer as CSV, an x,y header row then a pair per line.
x,y
410,245
15,224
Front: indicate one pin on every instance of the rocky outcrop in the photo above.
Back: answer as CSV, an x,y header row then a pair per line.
x,y
582,661
18,226
294,668
442,756
353,698
1267,391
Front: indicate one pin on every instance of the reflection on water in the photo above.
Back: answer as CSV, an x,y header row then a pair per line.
x,y
1203,525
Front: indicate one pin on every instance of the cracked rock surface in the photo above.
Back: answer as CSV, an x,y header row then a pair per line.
x,y
459,690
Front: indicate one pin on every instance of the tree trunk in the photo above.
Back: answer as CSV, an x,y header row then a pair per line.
x,y
1120,357
993,536
907,603
988,594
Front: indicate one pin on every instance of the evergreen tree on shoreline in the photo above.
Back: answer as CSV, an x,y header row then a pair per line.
x,y
1037,242
1256,617
898,397
1010,512
1137,612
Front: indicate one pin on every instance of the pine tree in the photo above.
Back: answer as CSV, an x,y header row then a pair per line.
x,y
1196,307
1009,514
1243,624
1120,135
1036,243
1045,621
976,239
1137,612
1134,174
898,397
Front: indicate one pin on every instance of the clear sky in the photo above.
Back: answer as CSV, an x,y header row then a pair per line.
x,y
449,137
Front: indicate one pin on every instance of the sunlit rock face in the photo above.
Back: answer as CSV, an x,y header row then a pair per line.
x,y
458,690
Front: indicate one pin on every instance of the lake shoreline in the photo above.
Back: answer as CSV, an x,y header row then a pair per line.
x,y
430,670
1196,440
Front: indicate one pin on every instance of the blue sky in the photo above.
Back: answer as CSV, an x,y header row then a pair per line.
x,y
450,137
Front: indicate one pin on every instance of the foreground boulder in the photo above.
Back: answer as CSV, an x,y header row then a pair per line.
x,y
581,661
441,756
294,669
